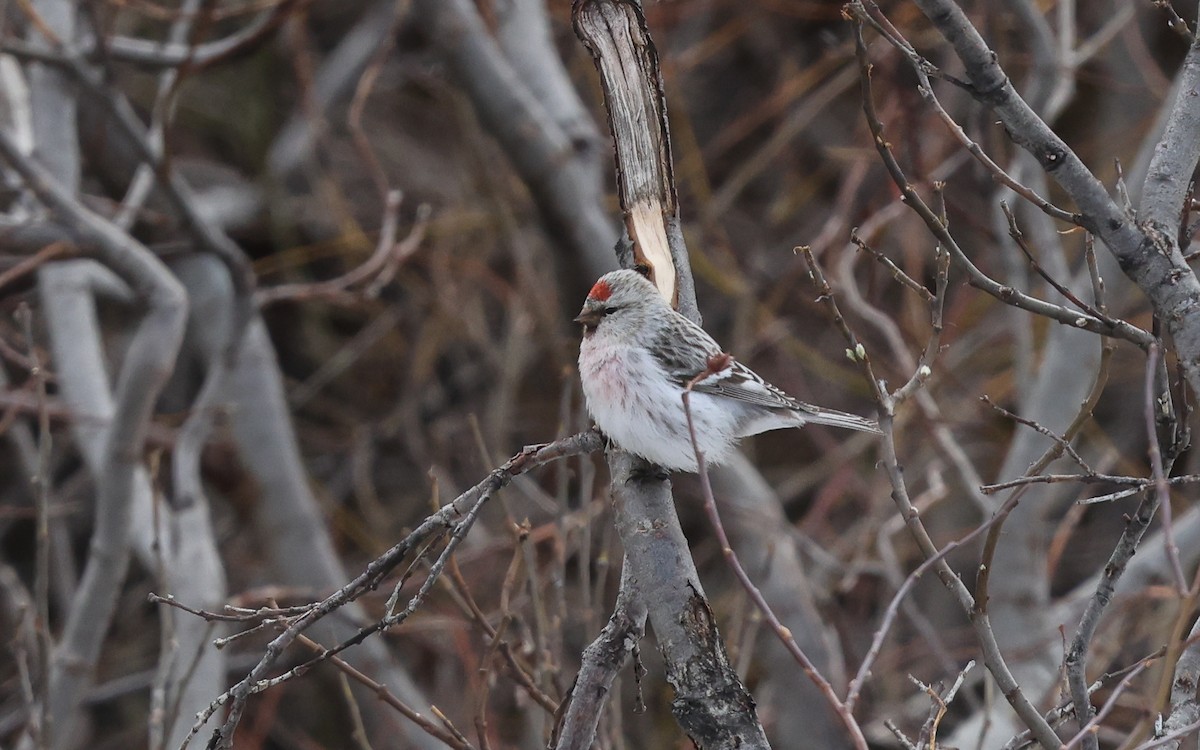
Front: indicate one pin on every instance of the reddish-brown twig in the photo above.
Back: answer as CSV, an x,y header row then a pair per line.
x,y
716,363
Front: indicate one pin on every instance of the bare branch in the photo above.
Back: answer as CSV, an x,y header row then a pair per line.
x,y
456,514
148,360
1185,712
843,709
154,55
977,278
1147,251
602,660
1136,525
976,610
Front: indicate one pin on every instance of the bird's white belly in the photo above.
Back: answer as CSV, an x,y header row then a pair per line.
x,y
639,408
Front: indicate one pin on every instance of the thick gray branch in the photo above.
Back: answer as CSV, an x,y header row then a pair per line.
x,y
287,514
710,702
558,170
616,35
148,361
1184,709
1150,257
602,660
1176,154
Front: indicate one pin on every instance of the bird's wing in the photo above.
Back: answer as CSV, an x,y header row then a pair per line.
x,y
685,350
740,383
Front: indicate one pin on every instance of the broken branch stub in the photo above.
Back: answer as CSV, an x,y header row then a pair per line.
x,y
616,35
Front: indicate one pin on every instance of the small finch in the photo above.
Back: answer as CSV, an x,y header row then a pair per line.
x,y
637,357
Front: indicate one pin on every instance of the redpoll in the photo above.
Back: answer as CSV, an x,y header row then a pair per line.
x,y
636,359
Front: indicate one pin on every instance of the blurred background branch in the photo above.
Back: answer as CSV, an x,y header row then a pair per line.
x,y
168,164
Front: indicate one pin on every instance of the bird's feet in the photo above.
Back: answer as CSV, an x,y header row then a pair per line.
x,y
644,471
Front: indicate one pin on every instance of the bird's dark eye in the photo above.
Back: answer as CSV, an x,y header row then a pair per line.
x,y
609,310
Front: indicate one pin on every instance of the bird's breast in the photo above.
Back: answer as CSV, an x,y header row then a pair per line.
x,y
604,372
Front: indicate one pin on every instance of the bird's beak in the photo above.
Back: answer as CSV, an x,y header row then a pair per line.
x,y
589,317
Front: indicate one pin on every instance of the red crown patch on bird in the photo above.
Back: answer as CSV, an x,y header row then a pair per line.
x,y
601,291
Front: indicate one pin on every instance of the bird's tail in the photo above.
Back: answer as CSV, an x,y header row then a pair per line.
x,y
835,418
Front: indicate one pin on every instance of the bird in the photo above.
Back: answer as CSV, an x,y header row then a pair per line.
x,y
637,357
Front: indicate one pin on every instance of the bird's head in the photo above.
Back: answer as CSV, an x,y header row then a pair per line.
x,y
618,293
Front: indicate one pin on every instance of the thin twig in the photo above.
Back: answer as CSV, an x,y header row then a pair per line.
x,y
897,273
976,277
41,494
1135,483
715,364
53,251
993,657
1171,737
1161,487
922,68
1075,661
1018,237
362,92
1059,713
1062,442
382,693
1090,728
459,514
864,669
382,264
517,670
152,54
1175,22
